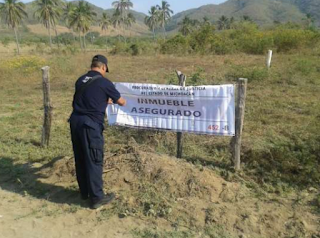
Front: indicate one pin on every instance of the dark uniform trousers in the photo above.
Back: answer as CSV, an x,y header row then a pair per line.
x,y
88,144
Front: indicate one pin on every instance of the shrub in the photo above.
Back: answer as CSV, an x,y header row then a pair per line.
x,y
66,38
201,40
222,44
142,47
197,78
135,49
257,43
176,45
291,39
101,41
249,39
119,48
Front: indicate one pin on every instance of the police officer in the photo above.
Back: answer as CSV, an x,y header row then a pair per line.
x,y
92,95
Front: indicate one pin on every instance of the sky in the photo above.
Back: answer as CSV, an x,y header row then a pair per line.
x,y
144,5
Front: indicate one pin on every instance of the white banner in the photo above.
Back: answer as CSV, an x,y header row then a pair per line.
x,y
196,109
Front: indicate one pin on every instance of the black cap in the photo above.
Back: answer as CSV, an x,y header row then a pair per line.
x,y
101,59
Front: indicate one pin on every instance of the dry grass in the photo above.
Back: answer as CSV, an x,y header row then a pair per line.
x,y
282,110
39,29
135,30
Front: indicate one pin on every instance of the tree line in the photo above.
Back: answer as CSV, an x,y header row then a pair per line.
x,y
79,17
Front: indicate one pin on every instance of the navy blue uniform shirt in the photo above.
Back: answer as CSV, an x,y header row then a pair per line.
x,y
94,100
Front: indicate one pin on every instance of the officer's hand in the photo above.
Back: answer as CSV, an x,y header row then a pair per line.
x,y
121,101
110,101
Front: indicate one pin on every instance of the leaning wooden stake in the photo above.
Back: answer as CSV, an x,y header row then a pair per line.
x,y
182,82
239,117
46,106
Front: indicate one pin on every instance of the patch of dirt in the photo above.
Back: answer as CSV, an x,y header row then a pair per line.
x,y
167,193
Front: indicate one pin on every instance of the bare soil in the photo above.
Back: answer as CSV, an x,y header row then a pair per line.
x,y
153,192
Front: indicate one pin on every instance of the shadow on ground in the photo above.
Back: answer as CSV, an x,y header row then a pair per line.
x,y
26,180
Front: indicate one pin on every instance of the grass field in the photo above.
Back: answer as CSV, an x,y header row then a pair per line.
x,y
281,116
281,142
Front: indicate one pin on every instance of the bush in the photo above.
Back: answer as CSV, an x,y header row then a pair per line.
x,y
201,40
197,78
142,47
221,45
66,38
291,39
257,43
249,39
176,45
244,37
101,41
137,48
119,48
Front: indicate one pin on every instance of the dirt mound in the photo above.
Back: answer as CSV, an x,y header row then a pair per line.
x,y
165,188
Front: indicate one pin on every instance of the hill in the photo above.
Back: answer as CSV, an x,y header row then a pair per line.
x,y
138,28
263,12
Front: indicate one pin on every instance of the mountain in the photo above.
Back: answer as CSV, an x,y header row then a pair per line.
x,y
263,12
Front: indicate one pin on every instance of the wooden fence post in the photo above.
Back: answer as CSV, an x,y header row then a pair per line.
x,y
239,119
182,82
46,106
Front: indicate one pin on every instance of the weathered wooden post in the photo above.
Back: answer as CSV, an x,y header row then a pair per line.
x,y
269,58
46,106
182,82
239,119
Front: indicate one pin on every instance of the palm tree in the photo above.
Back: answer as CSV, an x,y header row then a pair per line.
x,y
186,26
231,23
67,13
246,18
164,15
60,4
116,21
223,23
152,21
122,7
48,13
105,22
205,21
129,20
81,20
12,11
308,20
